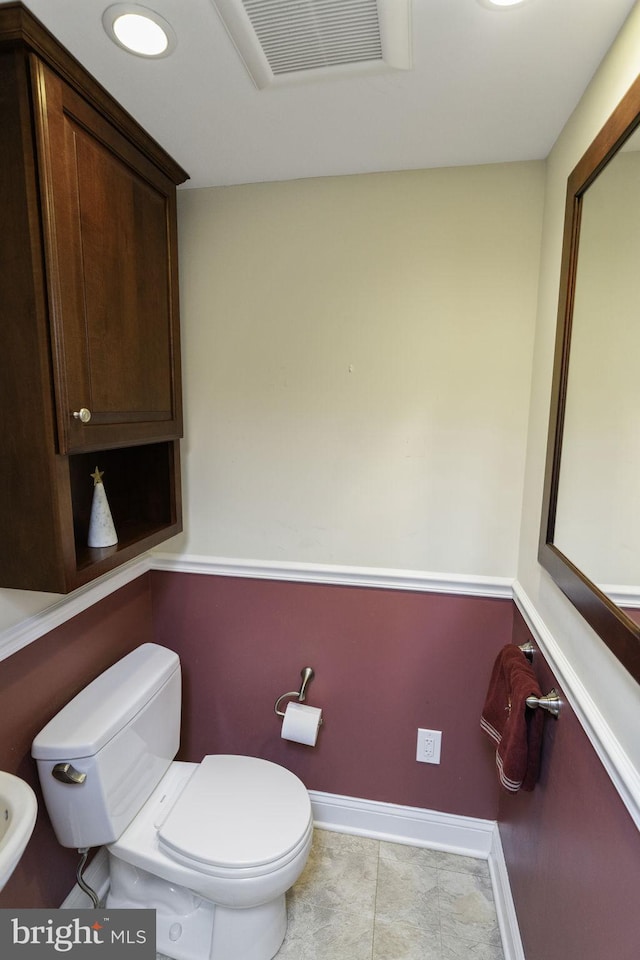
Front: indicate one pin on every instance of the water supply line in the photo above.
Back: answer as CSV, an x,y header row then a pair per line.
x,y
93,896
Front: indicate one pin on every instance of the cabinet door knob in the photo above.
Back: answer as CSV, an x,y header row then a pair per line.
x,y
82,414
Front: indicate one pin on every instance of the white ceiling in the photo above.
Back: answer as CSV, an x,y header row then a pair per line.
x,y
486,86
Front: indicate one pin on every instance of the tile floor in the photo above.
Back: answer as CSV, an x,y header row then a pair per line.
x,y
361,899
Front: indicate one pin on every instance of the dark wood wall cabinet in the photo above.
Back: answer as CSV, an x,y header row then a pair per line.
x,y
89,324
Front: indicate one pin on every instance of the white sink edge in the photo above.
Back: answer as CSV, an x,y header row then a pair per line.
x,y
16,796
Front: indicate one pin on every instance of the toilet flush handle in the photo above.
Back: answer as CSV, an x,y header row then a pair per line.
x,y
66,773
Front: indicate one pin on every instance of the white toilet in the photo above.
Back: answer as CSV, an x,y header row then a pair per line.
x,y
213,847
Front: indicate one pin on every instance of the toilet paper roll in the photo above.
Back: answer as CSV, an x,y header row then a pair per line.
x,y
301,723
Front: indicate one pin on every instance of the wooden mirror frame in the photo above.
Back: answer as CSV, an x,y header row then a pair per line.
x,y
615,628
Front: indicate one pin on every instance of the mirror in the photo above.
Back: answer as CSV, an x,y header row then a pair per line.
x,y
590,531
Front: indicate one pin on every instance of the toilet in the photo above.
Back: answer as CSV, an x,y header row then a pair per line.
x,y
213,846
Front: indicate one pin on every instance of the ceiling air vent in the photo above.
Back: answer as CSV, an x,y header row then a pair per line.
x,y
281,41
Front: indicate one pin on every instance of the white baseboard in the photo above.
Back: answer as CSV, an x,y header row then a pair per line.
x,y
505,907
411,825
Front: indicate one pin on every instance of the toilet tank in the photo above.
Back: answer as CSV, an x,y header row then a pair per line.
x,y
118,737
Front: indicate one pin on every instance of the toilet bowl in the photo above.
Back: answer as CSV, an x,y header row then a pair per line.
x,y
213,846
240,849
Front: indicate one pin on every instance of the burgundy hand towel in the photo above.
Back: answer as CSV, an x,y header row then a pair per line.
x,y
515,727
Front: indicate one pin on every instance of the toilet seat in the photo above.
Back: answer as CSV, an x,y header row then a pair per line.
x,y
237,816
145,860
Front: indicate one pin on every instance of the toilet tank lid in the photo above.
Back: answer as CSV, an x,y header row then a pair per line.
x,y
107,704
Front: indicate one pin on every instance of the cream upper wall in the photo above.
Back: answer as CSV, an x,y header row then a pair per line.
x,y
614,693
356,365
356,355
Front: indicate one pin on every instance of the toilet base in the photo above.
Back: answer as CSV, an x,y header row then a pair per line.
x,y
189,927
255,933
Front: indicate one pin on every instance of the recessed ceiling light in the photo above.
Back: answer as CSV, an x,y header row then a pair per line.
x,y
139,30
500,4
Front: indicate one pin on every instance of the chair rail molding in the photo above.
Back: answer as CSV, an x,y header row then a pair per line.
x,y
70,605
619,766
16,637
387,579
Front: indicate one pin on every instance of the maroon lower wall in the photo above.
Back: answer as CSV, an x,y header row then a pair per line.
x,y
386,662
34,684
572,850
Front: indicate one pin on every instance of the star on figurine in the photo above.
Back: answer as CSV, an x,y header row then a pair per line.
x,y
97,476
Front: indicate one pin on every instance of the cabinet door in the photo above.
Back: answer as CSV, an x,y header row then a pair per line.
x,y
109,223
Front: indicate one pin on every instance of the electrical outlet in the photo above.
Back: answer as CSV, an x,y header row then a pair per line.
x,y
429,744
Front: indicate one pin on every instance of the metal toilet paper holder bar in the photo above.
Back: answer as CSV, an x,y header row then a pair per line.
x,y
307,674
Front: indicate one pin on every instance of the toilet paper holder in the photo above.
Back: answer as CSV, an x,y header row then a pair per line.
x,y
307,675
